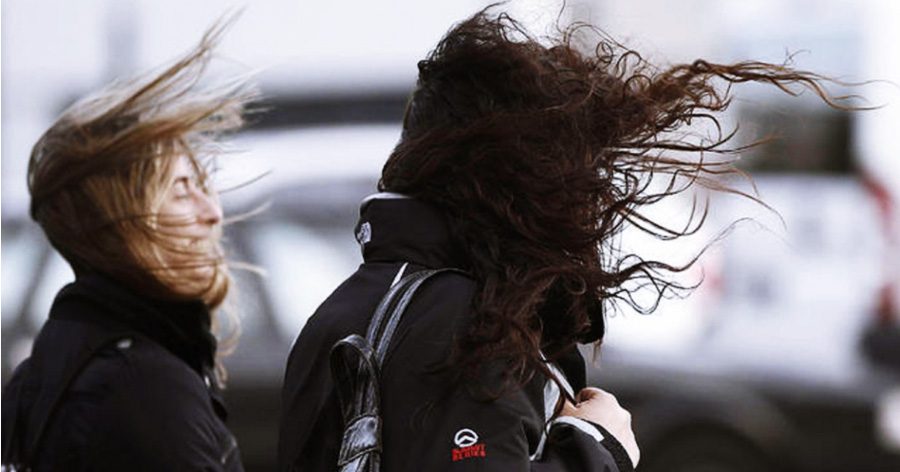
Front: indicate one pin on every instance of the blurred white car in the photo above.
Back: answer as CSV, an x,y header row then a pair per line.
x,y
762,368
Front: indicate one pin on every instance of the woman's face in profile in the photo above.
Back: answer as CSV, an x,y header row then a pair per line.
x,y
190,215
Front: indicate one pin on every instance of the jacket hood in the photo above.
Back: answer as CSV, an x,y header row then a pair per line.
x,y
182,327
393,227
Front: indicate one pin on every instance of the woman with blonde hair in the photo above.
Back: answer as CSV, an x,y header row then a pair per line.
x,y
126,372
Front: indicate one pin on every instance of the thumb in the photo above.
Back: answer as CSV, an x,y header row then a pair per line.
x,y
568,409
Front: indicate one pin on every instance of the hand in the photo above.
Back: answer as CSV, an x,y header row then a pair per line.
x,y
601,407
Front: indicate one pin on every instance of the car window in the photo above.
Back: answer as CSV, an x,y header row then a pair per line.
x,y
303,265
786,293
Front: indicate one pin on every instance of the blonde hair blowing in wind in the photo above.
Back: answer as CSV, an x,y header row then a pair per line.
x,y
98,175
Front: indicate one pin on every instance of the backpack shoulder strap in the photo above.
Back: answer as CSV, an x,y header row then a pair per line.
x,y
399,302
356,363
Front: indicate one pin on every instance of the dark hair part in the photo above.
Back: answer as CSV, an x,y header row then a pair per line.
x,y
541,153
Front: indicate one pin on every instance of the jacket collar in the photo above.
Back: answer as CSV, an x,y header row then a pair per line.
x,y
393,228
182,327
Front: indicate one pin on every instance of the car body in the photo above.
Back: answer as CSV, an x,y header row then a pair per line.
x,y
763,374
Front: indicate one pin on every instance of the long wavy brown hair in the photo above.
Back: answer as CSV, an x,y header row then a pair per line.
x,y
541,150
98,175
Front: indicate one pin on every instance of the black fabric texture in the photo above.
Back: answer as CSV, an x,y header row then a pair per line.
x,y
121,382
623,461
182,327
424,412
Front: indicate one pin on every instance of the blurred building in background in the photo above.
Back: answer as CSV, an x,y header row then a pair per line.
x,y
786,355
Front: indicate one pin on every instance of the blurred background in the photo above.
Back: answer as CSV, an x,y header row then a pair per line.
x,y
786,358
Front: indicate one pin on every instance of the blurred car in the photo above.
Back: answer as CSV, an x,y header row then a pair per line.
x,y
689,416
768,369
764,373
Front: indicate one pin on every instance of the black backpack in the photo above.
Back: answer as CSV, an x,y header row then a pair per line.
x,y
355,366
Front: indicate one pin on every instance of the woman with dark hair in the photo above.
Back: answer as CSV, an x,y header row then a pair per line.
x,y
126,372
520,162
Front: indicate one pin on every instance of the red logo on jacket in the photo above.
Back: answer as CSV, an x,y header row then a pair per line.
x,y
467,445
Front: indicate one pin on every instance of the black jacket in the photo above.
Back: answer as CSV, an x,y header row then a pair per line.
x,y
118,382
429,424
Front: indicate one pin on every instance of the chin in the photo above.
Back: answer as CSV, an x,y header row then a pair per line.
x,y
195,281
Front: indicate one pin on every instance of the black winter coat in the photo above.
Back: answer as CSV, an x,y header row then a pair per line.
x,y
429,423
118,382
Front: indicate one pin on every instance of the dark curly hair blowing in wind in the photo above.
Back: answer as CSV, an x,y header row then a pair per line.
x,y
541,153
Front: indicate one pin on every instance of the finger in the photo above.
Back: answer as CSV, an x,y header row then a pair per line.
x,y
568,409
588,393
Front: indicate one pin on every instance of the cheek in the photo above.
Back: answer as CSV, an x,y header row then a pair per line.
x,y
176,218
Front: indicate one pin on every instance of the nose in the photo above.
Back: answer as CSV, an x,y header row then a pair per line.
x,y
210,211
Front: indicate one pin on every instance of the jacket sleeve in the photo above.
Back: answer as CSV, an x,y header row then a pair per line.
x,y
463,433
443,426
159,418
585,445
12,418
